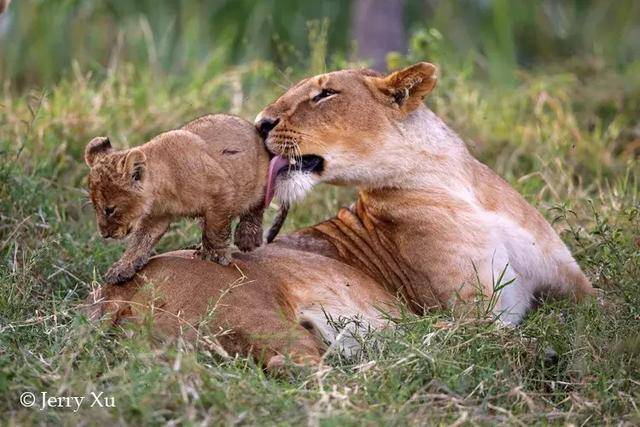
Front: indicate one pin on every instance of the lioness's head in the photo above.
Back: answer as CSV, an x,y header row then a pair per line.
x,y
116,186
344,128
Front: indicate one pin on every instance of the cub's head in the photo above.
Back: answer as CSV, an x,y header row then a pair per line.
x,y
344,128
116,187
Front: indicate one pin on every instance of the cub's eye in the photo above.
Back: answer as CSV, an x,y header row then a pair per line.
x,y
324,94
108,211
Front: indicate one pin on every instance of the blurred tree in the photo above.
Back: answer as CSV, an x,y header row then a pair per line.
x,y
378,28
4,4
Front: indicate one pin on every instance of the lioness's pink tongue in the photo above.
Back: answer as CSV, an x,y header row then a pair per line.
x,y
275,165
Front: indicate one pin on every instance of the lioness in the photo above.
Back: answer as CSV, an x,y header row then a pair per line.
x,y
214,167
430,223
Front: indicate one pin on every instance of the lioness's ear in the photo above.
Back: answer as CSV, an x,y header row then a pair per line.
x,y
97,147
409,86
135,164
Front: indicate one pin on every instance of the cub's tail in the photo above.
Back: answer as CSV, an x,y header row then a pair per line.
x,y
277,222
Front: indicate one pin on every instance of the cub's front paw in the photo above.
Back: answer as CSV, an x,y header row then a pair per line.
x,y
119,272
220,256
248,236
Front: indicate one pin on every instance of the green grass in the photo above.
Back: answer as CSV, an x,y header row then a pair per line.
x,y
567,140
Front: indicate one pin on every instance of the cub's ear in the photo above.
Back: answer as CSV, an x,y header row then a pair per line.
x,y
98,147
135,163
409,86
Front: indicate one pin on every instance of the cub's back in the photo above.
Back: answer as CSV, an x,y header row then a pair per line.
x,y
236,145
230,135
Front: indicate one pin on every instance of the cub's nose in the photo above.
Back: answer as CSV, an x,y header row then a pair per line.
x,y
265,124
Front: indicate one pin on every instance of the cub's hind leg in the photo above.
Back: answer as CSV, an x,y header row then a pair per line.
x,y
248,235
216,233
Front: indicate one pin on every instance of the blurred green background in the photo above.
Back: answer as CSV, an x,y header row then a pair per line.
x,y
43,38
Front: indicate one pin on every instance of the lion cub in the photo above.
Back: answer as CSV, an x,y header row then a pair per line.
x,y
214,168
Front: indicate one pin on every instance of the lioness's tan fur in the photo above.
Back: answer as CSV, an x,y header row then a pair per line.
x,y
431,221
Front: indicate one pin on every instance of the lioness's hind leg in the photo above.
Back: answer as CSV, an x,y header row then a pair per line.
x,y
271,338
570,283
299,352
279,364
577,285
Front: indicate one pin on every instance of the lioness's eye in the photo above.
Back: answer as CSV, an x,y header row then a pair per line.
x,y
324,94
108,211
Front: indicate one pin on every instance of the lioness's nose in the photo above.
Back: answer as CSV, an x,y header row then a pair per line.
x,y
265,124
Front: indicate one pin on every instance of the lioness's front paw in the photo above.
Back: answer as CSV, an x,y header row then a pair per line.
x,y
119,272
220,256
248,236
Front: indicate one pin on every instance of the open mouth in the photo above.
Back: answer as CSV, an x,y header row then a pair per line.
x,y
280,165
